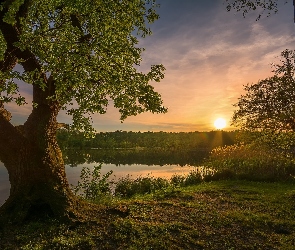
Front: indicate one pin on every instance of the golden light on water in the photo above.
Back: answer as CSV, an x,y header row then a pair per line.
x,y
220,123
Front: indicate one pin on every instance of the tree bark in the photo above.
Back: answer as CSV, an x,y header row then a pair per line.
x,y
39,187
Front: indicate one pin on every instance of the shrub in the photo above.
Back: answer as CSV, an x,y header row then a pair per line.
x,y
193,178
127,187
177,180
93,184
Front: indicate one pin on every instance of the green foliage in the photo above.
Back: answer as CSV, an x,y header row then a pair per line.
x,y
177,180
87,55
267,109
3,46
161,140
246,6
266,114
212,215
127,187
253,161
9,90
283,142
93,185
270,103
10,15
193,178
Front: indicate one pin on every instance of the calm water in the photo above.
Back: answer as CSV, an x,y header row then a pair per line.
x,y
73,173
4,184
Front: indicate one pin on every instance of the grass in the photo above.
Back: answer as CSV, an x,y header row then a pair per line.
x,y
225,214
253,161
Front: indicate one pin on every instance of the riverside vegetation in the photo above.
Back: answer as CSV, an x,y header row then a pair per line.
x,y
218,209
244,198
170,141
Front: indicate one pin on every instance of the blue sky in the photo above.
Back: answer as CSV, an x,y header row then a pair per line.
x,y
209,54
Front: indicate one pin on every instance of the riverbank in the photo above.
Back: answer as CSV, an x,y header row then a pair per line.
x,y
211,215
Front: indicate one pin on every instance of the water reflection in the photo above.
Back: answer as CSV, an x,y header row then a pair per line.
x,y
135,156
4,184
123,162
133,171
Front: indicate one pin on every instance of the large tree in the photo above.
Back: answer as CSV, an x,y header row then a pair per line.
x,y
77,55
269,104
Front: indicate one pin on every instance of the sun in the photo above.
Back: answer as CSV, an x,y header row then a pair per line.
x,y
220,123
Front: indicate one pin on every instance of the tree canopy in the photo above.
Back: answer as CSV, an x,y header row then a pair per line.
x,y
83,53
77,55
246,6
270,103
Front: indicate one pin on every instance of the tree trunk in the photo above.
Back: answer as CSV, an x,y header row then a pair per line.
x,y
30,152
39,187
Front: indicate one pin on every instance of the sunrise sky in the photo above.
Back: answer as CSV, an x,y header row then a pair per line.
x,y
209,54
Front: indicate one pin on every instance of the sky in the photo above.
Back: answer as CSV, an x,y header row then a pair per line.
x,y
209,54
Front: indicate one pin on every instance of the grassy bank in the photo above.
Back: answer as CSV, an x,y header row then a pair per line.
x,y
210,215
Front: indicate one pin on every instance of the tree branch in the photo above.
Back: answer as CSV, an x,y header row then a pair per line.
x,y
10,136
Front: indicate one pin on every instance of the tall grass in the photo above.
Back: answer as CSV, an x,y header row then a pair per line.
x,y
128,187
95,186
253,161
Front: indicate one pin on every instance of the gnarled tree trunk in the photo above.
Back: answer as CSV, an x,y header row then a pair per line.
x,y
30,153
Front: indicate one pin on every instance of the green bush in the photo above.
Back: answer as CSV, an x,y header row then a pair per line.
x,y
177,180
127,187
93,184
193,178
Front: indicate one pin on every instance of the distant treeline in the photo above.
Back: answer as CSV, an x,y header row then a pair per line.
x,y
149,140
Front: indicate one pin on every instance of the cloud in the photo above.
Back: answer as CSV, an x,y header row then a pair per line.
x,y
209,55
21,113
208,64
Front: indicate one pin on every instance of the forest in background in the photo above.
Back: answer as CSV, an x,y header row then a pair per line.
x,y
201,141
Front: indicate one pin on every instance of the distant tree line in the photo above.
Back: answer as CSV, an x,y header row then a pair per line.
x,y
149,140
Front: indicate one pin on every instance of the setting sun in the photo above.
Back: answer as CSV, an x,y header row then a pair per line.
x,y
220,123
